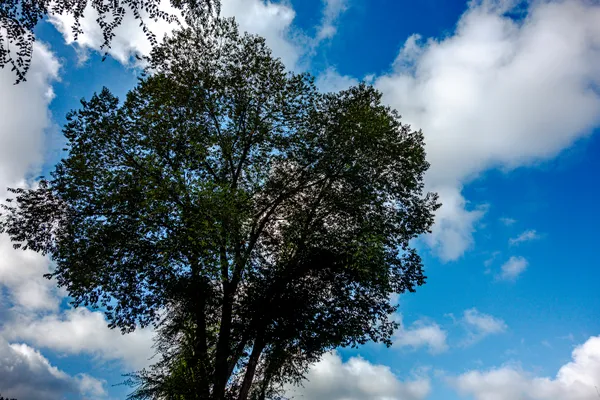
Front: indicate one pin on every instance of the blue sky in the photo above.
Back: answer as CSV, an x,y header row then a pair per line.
x,y
507,96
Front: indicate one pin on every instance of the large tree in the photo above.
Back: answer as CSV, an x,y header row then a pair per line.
x,y
256,222
18,19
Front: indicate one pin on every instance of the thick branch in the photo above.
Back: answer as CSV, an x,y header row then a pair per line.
x,y
257,350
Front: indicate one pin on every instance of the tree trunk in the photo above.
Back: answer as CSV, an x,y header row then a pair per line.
x,y
223,347
200,347
257,350
200,361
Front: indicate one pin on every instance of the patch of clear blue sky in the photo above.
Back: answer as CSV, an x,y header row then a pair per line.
x,y
555,297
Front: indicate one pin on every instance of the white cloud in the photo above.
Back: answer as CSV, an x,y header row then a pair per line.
x,y
81,331
508,221
26,374
480,325
570,337
357,379
129,37
22,273
526,236
422,334
331,81
24,117
271,20
514,267
487,263
497,94
455,223
90,385
574,381
268,19
333,9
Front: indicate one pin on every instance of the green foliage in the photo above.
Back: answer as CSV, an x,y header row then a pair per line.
x,y
255,222
18,18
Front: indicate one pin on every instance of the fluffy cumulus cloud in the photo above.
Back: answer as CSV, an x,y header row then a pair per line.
x,y
24,117
498,93
270,20
422,334
455,223
22,272
24,124
513,268
574,381
357,379
80,331
26,374
480,325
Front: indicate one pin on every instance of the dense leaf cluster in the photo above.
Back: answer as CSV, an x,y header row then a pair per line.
x,y
255,222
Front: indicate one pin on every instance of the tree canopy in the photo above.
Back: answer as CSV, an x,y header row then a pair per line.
x,y
18,18
255,222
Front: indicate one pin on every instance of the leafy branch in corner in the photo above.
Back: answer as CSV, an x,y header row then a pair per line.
x,y
18,19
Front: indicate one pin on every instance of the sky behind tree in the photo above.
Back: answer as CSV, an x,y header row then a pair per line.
x,y
507,95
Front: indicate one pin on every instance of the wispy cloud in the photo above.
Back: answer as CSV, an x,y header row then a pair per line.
x,y
480,325
526,236
333,10
514,267
570,337
488,263
508,221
